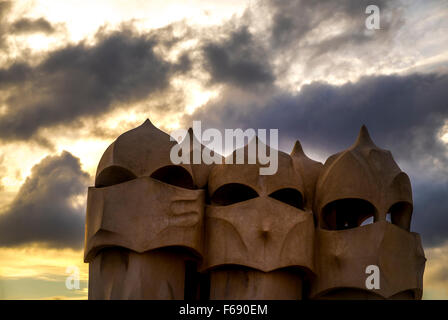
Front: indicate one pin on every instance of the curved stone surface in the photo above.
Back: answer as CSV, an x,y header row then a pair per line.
x,y
201,171
309,171
368,173
257,225
117,274
144,221
140,152
261,233
361,182
343,256
249,173
143,214
153,229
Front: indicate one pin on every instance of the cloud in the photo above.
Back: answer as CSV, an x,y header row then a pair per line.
x,y
430,216
250,58
45,210
294,43
290,43
5,7
26,25
395,108
309,40
403,114
2,172
83,80
295,20
436,274
237,60
20,26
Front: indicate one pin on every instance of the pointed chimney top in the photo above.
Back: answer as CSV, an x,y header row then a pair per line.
x,y
194,141
191,135
149,125
297,150
364,139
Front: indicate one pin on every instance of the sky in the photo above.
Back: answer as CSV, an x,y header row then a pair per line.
x,y
76,74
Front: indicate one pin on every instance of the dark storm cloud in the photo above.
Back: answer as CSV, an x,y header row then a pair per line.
x,y
243,53
26,25
403,113
124,67
237,60
408,108
430,216
21,26
293,20
82,80
329,38
14,75
42,210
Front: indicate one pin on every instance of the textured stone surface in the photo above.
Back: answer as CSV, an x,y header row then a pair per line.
x,y
155,230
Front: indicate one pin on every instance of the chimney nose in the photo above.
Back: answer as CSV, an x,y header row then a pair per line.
x,y
265,229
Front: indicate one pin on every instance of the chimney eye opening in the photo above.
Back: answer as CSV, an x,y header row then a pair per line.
x,y
232,193
290,196
399,214
347,214
113,175
174,175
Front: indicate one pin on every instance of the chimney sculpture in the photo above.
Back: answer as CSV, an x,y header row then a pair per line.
x,y
359,183
144,222
259,231
155,230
